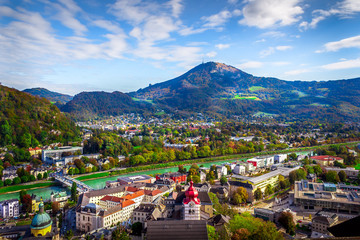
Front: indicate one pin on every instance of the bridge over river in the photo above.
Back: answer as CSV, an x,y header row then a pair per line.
x,y
68,181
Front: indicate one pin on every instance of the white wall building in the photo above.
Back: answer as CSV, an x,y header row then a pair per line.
x,y
9,208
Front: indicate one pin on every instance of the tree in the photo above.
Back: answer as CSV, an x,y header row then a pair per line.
x,y
331,176
55,207
258,194
286,219
7,182
293,156
317,170
256,228
120,234
26,202
136,228
24,179
73,191
342,176
269,190
16,180
223,180
240,195
45,175
212,234
32,178
39,176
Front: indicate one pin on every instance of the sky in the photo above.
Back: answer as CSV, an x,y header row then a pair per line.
x,y
70,46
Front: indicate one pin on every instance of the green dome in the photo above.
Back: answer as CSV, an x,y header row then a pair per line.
x,y
41,221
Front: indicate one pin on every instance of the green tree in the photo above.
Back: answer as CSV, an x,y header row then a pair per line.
x,y
331,176
45,175
286,219
7,182
223,180
258,194
32,178
317,170
120,234
39,176
24,179
73,191
16,180
256,227
269,190
136,228
212,234
342,176
240,195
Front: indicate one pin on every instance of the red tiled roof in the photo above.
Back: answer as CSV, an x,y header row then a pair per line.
x,y
152,193
134,195
127,203
326,158
132,189
111,199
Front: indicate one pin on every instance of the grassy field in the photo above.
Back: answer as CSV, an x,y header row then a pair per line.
x,y
299,93
144,100
246,97
15,188
160,113
264,114
256,88
96,175
320,105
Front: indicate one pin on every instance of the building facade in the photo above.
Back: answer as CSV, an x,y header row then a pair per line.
x,y
9,208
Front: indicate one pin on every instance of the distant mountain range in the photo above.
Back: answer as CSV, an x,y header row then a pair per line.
x,y
216,88
49,95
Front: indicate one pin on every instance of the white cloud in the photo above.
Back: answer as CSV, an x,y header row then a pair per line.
x,y
273,34
211,54
222,46
283,48
66,15
344,43
297,71
108,25
270,13
345,8
176,7
354,63
217,20
191,30
272,50
250,64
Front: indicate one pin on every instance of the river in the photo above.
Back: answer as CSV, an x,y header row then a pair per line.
x,y
45,193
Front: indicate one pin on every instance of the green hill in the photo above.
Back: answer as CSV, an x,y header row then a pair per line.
x,y
49,95
27,120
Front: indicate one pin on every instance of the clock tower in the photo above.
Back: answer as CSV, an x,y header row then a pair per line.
x,y
191,204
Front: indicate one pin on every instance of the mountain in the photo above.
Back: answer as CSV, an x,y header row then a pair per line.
x,y
27,120
49,95
101,104
219,88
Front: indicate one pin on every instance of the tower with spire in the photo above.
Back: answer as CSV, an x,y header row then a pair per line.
x,y
191,204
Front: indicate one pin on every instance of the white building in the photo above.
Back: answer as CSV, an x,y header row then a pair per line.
x,y
191,204
9,208
279,158
222,170
239,169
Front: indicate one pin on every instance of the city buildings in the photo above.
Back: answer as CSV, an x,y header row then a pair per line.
x,y
121,181
60,197
340,198
9,208
175,176
320,224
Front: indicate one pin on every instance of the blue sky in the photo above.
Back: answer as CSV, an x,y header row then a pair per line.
x,y
71,46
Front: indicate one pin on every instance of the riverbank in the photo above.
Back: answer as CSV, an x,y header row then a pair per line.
x,y
199,161
18,188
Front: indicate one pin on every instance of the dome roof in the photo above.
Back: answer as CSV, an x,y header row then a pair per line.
x,y
191,194
41,220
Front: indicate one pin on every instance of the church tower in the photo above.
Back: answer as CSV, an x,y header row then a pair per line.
x,y
191,204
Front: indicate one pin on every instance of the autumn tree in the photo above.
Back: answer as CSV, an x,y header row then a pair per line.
x,y
286,219
240,195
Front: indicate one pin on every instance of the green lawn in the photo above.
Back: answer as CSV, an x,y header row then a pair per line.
x,y
256,88
95,175
160,113
8,189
